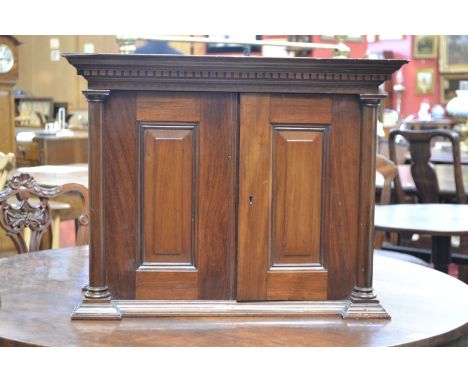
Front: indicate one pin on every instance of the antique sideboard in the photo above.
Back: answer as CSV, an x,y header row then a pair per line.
x,y
231,185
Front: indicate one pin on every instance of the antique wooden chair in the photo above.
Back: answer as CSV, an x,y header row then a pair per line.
x,y
26,212
7,163
422,170
424,175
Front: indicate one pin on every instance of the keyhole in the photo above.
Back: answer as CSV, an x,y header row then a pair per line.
x,y
250,200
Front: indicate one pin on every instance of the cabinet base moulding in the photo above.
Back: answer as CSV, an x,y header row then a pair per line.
x,y
117,309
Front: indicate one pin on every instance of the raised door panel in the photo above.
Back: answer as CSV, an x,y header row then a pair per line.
x,y
169,158
282,181
188,159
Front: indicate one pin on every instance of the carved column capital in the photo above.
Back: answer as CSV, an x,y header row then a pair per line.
x,y
371,100
93,95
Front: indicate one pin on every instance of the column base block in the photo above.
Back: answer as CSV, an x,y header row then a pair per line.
x,y
365,310
103,309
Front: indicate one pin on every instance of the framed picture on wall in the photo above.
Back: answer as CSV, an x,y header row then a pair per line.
x,y
453,54
449,84
424,81
425,46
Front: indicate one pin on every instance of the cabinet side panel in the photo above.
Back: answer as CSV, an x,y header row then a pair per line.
x,y
342,199
121,193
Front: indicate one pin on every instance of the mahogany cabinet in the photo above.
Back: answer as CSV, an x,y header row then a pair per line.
x,y
231,185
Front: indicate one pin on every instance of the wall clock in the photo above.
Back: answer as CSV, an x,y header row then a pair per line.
x,y
7,58
8,77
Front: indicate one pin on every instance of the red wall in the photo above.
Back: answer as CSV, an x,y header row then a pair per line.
x,y
403,49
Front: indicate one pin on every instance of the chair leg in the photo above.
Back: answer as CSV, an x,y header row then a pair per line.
x,y
56,231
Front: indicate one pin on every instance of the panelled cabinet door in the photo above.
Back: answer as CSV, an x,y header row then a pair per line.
x,y
284,163
187,155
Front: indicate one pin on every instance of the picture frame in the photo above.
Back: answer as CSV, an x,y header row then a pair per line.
x,y
425,46
425,81
453,54
449,84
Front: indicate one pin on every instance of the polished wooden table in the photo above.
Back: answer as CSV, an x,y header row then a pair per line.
x,y
40,290
441,221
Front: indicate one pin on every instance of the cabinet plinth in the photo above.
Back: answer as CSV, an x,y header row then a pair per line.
x,y
231,185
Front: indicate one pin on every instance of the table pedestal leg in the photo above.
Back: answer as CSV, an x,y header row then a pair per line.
x,y
441,252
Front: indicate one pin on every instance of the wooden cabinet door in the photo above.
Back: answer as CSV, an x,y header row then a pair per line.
x,y
187,155
282,186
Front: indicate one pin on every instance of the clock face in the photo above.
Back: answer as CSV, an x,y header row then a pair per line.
x,y
7,59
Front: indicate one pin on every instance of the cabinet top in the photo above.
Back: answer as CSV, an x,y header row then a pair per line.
x,y
232,73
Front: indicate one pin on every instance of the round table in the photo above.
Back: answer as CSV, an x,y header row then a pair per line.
x,y
441,221
40,290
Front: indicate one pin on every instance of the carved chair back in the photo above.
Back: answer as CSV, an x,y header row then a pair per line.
x,y
422,170
36,216
7,163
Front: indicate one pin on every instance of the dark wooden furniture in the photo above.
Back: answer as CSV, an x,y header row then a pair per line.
x,y
35,214
59,175
53,149
422,170
441,221
38,292
244,180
